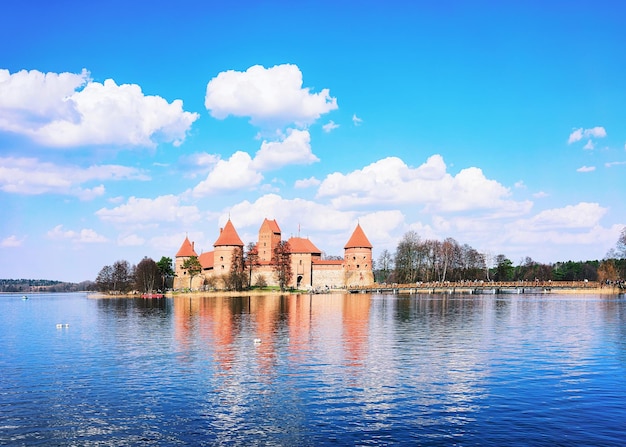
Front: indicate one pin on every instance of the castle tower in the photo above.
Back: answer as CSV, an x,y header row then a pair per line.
x,y
358,269
227,242
186,251
269,237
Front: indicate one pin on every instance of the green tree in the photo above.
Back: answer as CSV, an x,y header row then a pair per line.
x,y
281,264
504,268
166,271
193,267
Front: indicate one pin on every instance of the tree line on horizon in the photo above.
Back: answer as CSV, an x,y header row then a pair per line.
x,y
415,260
427,260
146,277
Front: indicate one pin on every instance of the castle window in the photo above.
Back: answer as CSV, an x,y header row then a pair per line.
x,y
358,266
300,261
221,259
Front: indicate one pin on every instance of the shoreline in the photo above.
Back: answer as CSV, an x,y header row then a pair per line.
x,y
417,291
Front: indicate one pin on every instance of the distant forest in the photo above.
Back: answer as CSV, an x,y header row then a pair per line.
x,y
43,285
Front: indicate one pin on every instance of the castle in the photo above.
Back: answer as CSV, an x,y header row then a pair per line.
x,y
309,270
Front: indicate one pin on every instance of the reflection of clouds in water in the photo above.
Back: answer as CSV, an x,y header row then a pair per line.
x,y
381,359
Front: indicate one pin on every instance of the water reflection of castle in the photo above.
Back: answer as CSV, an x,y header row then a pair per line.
x,y
289,325
308,268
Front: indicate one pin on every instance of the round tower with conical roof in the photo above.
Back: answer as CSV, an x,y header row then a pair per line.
x,y
224,248
186,251
358,269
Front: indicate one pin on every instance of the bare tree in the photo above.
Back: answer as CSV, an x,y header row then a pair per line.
x,y
147,275
237,277
251,260
385,266
281,263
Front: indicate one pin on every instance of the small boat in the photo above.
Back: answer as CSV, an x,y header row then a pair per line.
x,y
152,295
24,297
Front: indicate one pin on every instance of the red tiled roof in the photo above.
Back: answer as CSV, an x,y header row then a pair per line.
x,y
186,249
206,260
228,236
358,239
302,245
273,225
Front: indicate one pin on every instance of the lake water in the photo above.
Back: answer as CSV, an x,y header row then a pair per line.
x,y
467,370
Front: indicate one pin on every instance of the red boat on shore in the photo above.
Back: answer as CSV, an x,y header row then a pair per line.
x,y
152,295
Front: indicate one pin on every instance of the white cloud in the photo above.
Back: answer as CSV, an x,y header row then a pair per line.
x,y
586,169
582,215
589,146
329,126
307,183
86,235
31,176
68,110
235,173
240,171
614,163
294,149
540,195
579,134
160,209
271,97
290,213
356,120
130,240
391,182
12,241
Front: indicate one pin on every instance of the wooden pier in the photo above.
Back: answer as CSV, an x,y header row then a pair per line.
x,y
492,287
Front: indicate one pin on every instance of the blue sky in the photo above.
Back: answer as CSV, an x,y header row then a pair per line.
x,y
124,127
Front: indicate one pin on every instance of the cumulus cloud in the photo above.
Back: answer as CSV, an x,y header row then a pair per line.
x,y
586,169
391,182
356,120
235,173
31,176
84,236
293,149
271,97
579,134
290,212
68,110
329,126
241,171
166,208
582,215
12,241
307,182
